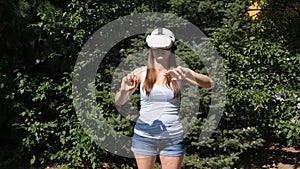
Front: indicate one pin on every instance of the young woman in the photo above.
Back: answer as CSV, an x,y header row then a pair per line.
x,y
158,130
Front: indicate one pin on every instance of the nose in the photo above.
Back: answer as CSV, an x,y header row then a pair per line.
x,y
160,51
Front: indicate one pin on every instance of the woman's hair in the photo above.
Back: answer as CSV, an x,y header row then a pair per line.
x,y
151,75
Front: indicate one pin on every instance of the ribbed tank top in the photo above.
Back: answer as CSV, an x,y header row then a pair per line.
x,y
159,113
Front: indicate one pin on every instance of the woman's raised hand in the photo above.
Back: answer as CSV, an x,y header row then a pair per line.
x,y
129,83
179,73
186,74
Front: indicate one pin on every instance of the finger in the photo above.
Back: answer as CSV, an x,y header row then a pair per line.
x,y
132,79
173,79
173,74
125,80
133,87
128,79
177,74
135,84
181,71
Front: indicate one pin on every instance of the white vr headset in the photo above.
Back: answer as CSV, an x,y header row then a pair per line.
x,y
160,38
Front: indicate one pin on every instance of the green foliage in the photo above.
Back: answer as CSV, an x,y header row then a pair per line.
x,y
281,18
36,70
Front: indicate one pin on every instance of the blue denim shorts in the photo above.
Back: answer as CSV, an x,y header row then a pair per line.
x,y
150,146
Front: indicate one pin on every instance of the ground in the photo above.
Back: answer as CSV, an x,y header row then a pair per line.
x,y
273,155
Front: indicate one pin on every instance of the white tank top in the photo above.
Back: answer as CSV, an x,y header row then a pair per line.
x,y
159,113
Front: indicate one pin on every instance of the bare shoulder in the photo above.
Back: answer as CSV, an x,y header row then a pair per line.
x,y
138,72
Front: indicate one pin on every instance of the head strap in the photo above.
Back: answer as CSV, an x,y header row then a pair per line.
x,y
160,31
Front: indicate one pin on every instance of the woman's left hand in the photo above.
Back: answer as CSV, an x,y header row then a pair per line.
x,y
179,73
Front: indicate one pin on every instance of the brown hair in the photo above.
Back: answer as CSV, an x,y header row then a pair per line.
x,y
151,75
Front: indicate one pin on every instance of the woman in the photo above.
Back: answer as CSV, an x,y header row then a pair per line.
x,y
158,130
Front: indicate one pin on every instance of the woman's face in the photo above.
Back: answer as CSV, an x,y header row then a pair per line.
x,y
161,54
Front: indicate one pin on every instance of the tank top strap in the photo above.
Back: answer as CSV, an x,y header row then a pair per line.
x,y
144,72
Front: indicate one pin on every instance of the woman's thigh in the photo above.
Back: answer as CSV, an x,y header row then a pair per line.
x,y
171,162
145,162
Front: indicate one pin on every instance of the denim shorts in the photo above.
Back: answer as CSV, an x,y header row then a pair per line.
x,y
151,146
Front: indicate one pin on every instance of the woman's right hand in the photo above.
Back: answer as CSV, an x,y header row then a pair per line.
x,y
129,84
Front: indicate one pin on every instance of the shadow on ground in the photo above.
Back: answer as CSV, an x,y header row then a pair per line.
x,y
273,155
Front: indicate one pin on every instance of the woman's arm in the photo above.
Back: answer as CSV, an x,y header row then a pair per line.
x,y
128,86
199,79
